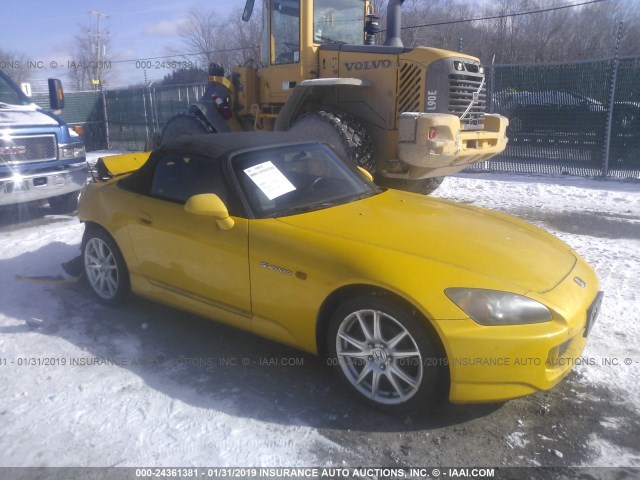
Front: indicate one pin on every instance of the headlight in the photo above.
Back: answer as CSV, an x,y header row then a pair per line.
x,y
72,151
492,307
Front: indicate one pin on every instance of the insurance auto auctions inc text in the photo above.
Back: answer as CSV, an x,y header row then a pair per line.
x,y
361,472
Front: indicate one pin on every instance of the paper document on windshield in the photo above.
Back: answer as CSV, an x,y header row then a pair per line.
x,y
270,180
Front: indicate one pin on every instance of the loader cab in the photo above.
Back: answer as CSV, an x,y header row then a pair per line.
x,y
287,22
292,32
338,21
282,37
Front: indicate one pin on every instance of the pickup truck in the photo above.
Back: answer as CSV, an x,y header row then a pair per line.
x,y
41,158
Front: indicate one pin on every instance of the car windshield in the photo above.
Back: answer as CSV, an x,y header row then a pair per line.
x,y
292,179
10,94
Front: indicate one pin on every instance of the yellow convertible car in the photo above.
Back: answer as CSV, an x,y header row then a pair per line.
x,y
407,296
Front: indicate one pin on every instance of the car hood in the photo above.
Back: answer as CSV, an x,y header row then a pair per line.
x,y
482,241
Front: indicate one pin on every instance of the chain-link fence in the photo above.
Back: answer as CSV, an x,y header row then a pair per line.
x,y
84,109
136,115
581,118
131,118
578,118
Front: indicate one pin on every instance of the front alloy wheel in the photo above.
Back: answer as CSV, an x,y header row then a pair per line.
x,y
104,267
385,354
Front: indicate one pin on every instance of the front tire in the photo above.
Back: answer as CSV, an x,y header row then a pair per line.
x,y
423,186
343,132
385,355
104,267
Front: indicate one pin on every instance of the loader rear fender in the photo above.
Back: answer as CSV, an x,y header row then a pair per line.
x,y
310,94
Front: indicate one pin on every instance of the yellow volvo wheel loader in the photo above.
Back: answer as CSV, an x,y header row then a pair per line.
x,y
407,115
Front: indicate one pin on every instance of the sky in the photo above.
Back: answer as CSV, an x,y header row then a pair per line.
x,y
44,31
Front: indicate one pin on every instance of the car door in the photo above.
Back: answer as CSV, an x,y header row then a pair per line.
x,y
187,255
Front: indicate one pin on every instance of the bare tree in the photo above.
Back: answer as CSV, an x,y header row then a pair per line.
x,y
455,36
227,41
584,32
497,35
555,35
606,21
14,64
413,11
202,34
246,35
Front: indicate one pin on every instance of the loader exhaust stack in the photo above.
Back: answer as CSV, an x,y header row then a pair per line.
x,y
394,23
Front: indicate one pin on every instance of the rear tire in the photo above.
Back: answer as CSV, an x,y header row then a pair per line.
x,y
424,186
184,124
343,132
385,355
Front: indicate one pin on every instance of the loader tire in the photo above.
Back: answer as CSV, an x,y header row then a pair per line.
x,y
343,132
424,186
184,124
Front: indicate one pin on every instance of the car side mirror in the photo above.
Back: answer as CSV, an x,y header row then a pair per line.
x,y
366,174
210,205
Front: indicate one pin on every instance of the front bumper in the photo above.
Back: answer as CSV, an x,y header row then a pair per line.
x,y
450,149
43,184
498,363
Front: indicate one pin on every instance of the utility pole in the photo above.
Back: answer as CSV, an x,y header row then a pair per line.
x,y
99,55
99,52
612,98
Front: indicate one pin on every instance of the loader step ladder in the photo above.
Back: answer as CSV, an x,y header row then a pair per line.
x,y
262,121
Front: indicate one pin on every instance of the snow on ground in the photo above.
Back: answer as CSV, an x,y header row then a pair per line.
x,y
607,454
64,415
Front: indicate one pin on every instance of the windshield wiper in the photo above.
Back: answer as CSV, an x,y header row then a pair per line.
x,y
305,208
363,195
322,205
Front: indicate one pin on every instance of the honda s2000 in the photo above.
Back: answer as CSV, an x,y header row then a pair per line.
x,y
408,296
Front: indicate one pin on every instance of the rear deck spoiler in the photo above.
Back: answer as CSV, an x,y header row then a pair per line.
x,y
117,165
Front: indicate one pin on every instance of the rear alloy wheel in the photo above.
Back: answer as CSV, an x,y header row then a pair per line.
x,y
343,132
385,355
104,267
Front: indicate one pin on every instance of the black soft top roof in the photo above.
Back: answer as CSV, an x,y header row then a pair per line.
x,y
212,145
217,144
